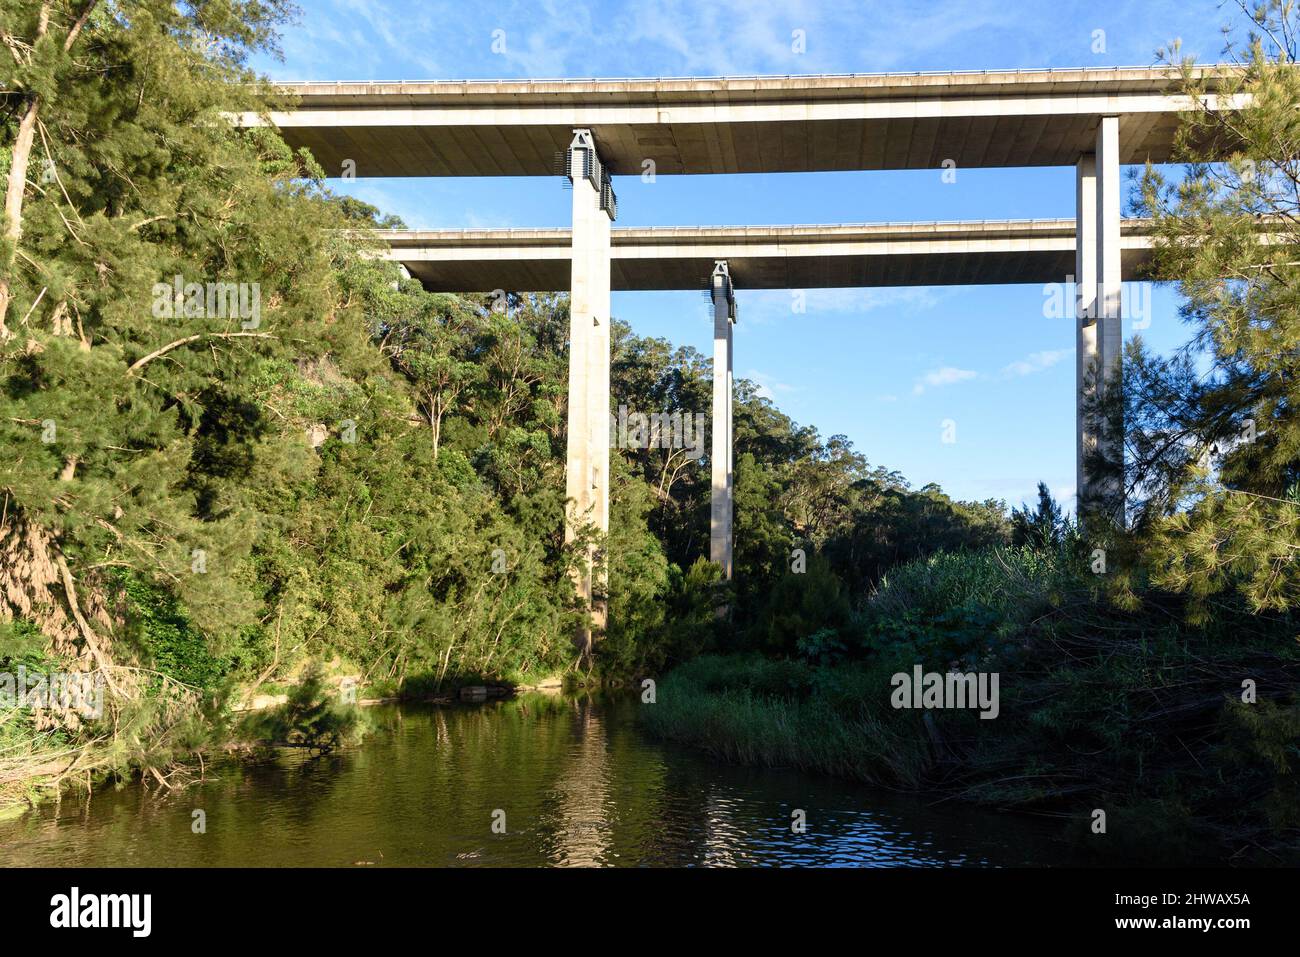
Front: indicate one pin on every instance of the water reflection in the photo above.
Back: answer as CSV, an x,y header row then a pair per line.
x,y
579,785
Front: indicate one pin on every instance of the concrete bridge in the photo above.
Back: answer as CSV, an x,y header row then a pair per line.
x,y
755,124
761,257
588,130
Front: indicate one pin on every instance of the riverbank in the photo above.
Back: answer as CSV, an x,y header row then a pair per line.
x,y
164,734
1186,739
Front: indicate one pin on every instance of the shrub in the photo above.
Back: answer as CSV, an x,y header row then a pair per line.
x,y
312,718
1015,583
800,605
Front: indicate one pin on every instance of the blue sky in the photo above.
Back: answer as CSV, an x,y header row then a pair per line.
x,y
885,367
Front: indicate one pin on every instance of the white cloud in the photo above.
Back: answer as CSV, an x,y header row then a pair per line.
x,y
476,219
768,387
900,34
947,375
1035,362
915,297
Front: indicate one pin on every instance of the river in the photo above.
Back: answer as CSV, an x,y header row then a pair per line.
x,y
572,780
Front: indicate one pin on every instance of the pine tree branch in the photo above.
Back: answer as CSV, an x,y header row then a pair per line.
x,y
20,156
195,338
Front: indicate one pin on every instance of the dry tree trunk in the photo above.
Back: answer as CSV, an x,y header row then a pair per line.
x,y
17,183
29,577
33,586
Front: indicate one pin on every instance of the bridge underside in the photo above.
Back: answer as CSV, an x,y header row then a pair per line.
x,y
414,147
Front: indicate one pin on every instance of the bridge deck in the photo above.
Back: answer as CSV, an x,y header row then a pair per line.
x,y
760,257
734,124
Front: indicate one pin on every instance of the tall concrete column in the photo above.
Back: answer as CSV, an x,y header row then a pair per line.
x,y
1085,278
1100,341
721,457
1110,334
587,471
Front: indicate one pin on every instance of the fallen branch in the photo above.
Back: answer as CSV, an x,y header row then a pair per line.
x,y
70,588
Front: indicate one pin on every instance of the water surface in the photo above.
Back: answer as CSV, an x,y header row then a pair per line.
x,y
576,779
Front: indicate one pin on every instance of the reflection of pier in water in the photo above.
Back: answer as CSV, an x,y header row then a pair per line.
x,y
582,825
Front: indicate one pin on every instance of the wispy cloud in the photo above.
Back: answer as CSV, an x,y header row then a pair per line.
x,y
768,386
396,39
762,306
1034,362
476,219
947,375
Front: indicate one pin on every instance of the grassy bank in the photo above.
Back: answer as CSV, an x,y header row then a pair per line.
x,y
751,710
1126,710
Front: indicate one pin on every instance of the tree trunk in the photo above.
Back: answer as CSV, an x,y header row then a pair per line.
x,y
435,423
16,185
14,190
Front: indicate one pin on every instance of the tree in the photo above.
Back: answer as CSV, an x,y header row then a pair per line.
x,y
435,347
51,42
1044,527
1215,446
139,182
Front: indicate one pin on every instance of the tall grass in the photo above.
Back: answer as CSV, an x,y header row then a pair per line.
x,y
750,710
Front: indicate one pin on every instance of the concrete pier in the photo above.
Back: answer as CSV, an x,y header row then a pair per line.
x,y
1085,278
724,318
1110,335
587,473
1100,327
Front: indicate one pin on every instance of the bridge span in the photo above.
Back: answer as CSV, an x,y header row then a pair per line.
x,y
760,257
738,124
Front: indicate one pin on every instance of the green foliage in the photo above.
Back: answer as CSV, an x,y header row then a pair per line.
x,y
1015,583
751,673
798,605
1214,436
21,643
1044,527
312,718
967,608
638,580
965,636
1263,744
164,637
822,647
